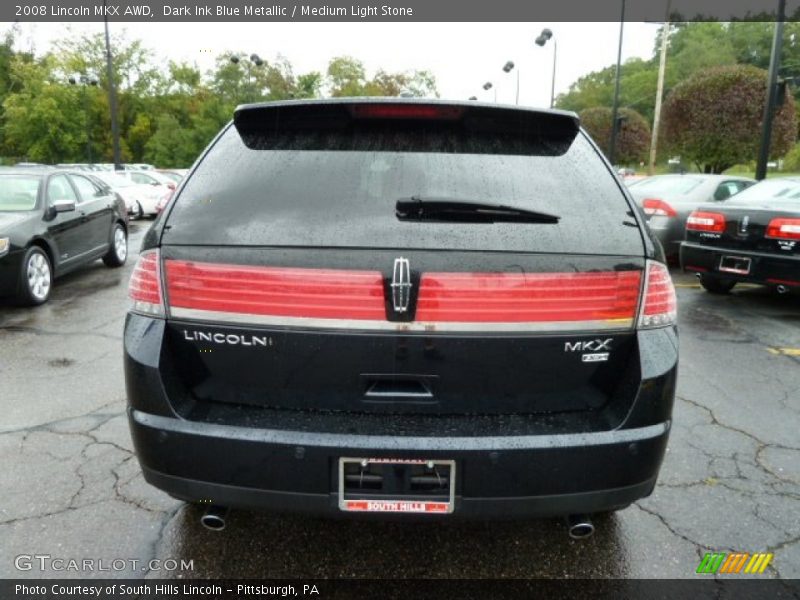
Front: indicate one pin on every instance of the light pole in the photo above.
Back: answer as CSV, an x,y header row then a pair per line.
x,y
614,124
769,105
85,81
112,96
252,61
541,40
662,64
507,68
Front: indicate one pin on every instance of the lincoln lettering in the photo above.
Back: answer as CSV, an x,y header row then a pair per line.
x,y
229,339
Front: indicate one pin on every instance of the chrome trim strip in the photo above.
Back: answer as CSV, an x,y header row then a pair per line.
x,y
208,316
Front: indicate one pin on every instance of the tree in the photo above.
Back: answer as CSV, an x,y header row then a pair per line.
x,y
633,135
347,77
714,119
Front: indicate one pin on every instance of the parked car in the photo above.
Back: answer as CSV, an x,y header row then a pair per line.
x,y
667,201
152,177
141,199
412,306
176,175
754,238
51,222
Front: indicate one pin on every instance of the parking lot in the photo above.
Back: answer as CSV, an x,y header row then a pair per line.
x,y
72,487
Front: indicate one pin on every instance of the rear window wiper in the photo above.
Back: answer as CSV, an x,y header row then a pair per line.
x,y
422,208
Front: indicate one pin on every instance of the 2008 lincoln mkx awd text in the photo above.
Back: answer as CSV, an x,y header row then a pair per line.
x,y
402,306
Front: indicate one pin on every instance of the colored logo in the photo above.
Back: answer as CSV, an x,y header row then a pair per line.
x,y
735,562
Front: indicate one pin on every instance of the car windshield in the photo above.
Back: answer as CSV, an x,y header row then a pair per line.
x,y
18,192
115,181
667,185
771,190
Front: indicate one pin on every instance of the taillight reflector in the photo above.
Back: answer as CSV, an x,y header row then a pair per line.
x,y
652,206
659,305
528,297
783,229
406,111
290,292
706,221
144,288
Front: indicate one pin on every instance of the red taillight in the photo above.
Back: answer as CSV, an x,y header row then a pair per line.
x,y
783,229
144,288
706,221
406,111
528,297
653,206
659,305
278,291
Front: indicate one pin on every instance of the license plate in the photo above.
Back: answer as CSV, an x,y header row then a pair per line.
x,y
388,485
735,264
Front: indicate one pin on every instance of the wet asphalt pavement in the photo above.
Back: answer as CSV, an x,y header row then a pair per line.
x,y
71,487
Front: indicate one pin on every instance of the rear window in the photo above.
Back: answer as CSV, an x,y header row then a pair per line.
x,y
114,181
253,194
18,192
666,185
771,190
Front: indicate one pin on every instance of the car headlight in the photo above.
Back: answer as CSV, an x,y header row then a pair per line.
x,y
5,244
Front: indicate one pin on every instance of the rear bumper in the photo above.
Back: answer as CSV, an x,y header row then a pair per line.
x,y
765,269
503,476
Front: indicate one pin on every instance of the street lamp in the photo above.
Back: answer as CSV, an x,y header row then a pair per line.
x,y
85,81
507,68
541,40
252,61
487,86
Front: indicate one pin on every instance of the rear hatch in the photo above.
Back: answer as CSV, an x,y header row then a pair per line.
x,y
330,256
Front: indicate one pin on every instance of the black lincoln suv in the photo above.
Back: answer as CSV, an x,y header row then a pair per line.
x,y
402,306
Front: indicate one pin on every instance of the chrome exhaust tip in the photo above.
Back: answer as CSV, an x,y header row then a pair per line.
x,y
782,289
213,518
580,527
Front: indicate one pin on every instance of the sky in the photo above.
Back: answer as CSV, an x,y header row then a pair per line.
x,y
462,56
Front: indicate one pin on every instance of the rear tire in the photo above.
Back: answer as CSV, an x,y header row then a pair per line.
x,y
118,252
715,285
36,277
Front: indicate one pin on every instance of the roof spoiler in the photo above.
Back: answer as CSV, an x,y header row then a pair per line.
x,y
470,127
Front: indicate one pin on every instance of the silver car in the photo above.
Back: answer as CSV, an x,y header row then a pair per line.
x,y
667,201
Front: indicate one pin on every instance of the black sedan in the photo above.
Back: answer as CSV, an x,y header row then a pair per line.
x,y
51,222
753,237
667,201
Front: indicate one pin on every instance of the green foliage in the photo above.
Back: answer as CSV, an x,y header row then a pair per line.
x,y
633,136
693,49
791,162
347,77
714,119
167,113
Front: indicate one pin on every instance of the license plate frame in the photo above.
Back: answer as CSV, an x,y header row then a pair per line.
x,y
401,504
739,265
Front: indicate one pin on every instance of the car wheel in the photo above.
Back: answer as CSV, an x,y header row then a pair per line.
x,y
715,285
119,247
36,277
139,211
